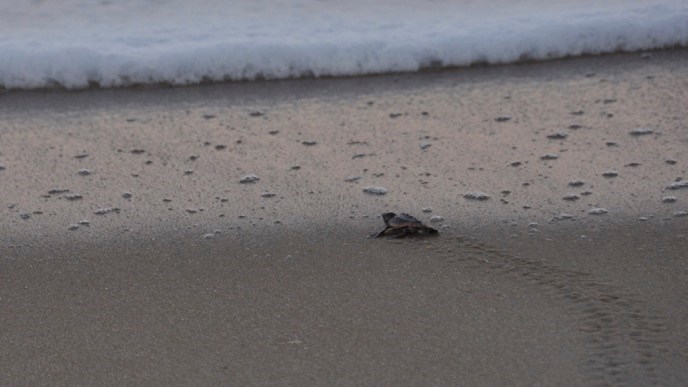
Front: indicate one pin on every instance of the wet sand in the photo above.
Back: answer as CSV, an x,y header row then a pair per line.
x,y
195,277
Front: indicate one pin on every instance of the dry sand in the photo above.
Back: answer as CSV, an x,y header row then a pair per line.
x,y
198,278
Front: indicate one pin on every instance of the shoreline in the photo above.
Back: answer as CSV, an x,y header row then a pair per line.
x,y
431,69
319,87
290,290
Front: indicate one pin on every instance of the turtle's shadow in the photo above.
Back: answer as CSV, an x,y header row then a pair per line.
x,y
406,232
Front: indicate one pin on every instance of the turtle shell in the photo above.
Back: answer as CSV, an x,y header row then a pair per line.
x,y
401,220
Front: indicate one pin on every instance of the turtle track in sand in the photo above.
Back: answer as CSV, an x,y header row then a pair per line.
x,y
623,340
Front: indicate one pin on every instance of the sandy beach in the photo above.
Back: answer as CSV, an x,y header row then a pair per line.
x,y
131,251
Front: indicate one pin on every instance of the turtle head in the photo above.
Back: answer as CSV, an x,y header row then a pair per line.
x,y
387,216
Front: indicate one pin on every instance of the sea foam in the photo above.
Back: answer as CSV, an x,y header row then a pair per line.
x,y
77,43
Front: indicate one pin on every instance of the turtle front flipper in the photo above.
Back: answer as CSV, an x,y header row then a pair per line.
x,y
378,234
430,230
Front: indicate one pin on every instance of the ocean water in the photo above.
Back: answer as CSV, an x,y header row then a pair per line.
x,y
111,43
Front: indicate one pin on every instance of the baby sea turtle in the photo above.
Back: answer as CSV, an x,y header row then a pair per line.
x,y
403,224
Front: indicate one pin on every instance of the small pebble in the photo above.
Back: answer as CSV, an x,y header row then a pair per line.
x,y
220,147
137,151
680,213
81,156
309,143
481,196
436,219
427,210
267,194
356,142
352,179
425,145
209,236
597,211
106,210
127,195
375,190
670,161
188,172
576,183
611,143
549,156
84,172
72,227
640,131
503,118
669,199
563,217
25,216
249,178
610,174
571,197
678,184
557,136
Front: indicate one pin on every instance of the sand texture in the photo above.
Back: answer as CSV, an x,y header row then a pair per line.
x,y
218,234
